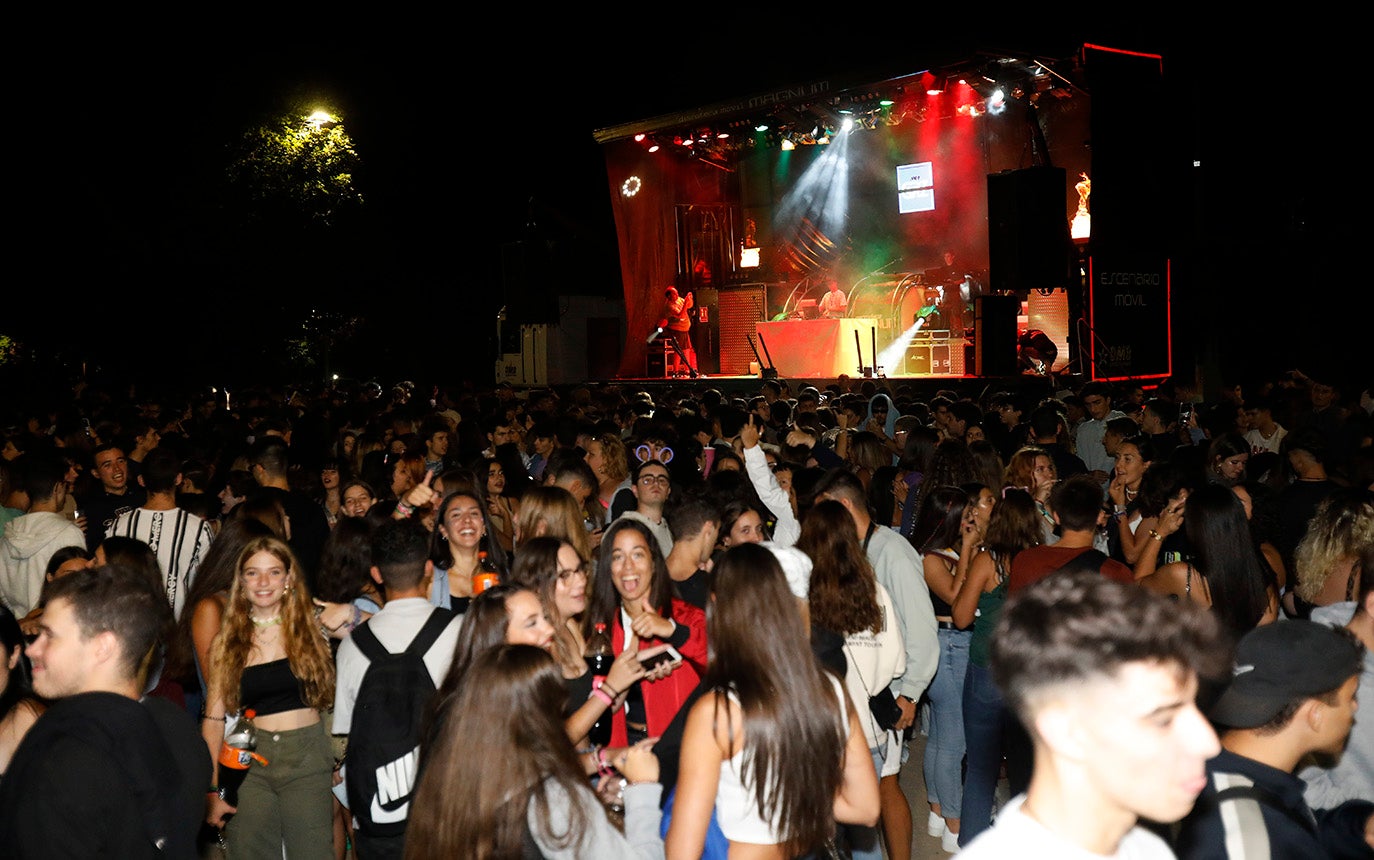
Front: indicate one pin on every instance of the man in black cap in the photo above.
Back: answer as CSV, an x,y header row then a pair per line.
x,y
1292,694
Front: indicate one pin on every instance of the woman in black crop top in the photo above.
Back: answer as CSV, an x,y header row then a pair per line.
x,y
270,656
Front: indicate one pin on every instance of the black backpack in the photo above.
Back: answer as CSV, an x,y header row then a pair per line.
x,y
382,759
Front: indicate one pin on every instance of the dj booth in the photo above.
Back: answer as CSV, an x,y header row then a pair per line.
x,y
825,348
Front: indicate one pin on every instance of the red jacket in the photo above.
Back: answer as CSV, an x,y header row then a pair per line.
x,y
663,698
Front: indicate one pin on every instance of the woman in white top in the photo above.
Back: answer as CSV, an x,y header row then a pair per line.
x,y
846,599
775,746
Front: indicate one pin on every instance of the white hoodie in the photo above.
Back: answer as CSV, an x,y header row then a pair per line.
x,y
25,548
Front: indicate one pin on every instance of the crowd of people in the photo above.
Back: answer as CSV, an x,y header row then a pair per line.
x,y
407,593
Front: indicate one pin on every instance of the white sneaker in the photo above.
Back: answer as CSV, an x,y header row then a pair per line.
x,y
950,842
935,825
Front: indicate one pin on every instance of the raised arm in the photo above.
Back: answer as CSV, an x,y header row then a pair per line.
x,y
787,529
980,577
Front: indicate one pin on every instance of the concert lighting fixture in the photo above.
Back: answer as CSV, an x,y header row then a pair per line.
x,y
639,138
653,147
847,124
788,145
763,126
997,102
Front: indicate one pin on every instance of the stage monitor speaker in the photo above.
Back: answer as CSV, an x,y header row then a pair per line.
x,y
1028,232
994,335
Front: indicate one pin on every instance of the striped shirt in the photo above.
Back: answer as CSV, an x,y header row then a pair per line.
x,y
178,538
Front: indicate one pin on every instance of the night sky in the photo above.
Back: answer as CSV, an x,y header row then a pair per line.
x,y
131,256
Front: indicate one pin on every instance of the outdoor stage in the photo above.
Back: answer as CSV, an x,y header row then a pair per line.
x,y
949,203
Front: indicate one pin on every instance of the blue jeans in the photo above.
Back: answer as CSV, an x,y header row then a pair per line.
x,y
990,730
945,742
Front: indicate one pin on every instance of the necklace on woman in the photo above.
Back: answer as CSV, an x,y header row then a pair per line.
x,y
268,622
1130,494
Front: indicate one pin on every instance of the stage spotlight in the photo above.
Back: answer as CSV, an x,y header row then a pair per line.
x,y
653,147
639,138
997,102
847,124
788,145
763,126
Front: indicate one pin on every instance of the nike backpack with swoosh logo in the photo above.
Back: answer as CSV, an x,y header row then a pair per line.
x,y
380,764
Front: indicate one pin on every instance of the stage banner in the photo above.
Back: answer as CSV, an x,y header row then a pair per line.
x,y
1128,307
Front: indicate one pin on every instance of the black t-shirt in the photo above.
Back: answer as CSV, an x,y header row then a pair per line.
x,y
309,527
101,509
102,775
695,589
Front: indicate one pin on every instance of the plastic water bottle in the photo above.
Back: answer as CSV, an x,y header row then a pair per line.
x,y
599,658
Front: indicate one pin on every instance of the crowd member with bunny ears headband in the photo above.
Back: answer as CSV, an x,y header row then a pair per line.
x,y
652,486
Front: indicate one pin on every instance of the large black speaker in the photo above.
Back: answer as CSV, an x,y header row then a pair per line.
x,y
1028,230
528,282
994,335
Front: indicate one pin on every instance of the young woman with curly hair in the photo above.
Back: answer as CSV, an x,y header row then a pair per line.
x,y
610,463
270,656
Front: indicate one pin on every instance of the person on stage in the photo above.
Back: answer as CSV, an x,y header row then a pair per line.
x,y
677,320
834,303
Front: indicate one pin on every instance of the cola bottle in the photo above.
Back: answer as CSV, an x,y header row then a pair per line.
x,y
599,658
236,755
485,576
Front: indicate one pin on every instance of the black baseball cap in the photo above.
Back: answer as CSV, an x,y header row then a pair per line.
x,y
1280,662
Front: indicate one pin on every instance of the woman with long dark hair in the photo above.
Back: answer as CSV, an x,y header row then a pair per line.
x,y
949,530
1227,456
633,594
526,792
270,657
846,600
1224,572
462,533
1125,537
990,729
774,745
552,569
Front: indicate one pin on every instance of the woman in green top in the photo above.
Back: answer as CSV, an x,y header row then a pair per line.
x,y
990,729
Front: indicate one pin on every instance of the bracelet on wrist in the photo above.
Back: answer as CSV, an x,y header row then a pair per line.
x,y
1154,535
614,692
603,696
403,509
